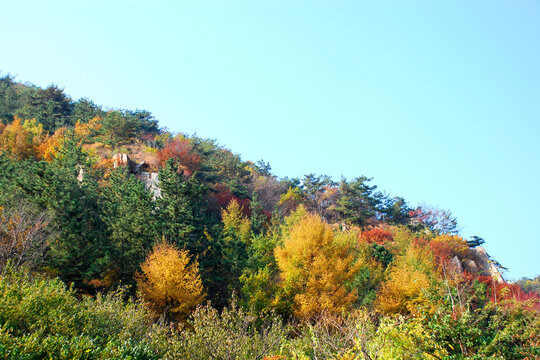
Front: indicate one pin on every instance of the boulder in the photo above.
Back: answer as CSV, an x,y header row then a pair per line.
x,y
484,264
470,267
455,265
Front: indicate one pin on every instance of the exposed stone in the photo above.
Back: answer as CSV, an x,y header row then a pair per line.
x,y
151,182
495,273
470,266
455,265
485,265
80,175
120,160
142,166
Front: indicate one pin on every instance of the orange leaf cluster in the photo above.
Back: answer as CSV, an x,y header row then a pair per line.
x,y
377,235
445,247
49,148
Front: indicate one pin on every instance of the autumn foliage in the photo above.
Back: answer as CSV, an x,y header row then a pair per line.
x,y
180,150
20,140
169,282
445,247
377,235
409,277
316,265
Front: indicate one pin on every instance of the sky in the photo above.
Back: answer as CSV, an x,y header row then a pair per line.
x,y
438,101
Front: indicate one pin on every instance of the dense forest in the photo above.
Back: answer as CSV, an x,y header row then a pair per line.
x,y
122,240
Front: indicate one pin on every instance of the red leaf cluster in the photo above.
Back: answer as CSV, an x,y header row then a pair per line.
x,y
511,293
181,151
377,235
223,196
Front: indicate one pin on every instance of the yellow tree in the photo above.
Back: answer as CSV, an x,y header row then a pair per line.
x,y
316,266
235,223
236,235
89,129
170,284
49,148
410,276
20,139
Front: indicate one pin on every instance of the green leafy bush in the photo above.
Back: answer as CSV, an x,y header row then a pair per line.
x,y
232,334
42,318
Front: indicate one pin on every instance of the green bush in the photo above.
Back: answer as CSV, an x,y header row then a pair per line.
x,y
234,333
43,319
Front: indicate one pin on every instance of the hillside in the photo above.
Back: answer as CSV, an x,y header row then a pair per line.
x,y
146,225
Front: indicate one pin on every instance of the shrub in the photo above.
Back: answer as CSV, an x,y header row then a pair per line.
x,y
42,318
234,333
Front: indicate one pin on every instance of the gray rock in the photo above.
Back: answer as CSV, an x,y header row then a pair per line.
x,y
151,181
485,265
455,265
470,266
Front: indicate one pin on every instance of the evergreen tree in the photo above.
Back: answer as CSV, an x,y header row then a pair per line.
x,y
51,107
181,217
182,220
9,99
71,193
258,217
84,110
358,201
396,211
128,212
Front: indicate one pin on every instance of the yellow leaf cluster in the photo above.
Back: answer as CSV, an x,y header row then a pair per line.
x,y
410,275
316,265
170,284
234,221
85,130
49,148
21,139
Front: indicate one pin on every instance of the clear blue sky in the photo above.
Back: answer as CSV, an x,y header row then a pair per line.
x,y
439,101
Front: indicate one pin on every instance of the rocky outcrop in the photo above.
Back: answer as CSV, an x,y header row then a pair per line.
x,y
151,182
470,266
455,265
140,170
485,265
121,159
477,262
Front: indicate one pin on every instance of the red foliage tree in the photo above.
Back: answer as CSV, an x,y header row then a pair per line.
x,y
508,293
377,235
223,196
181,151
